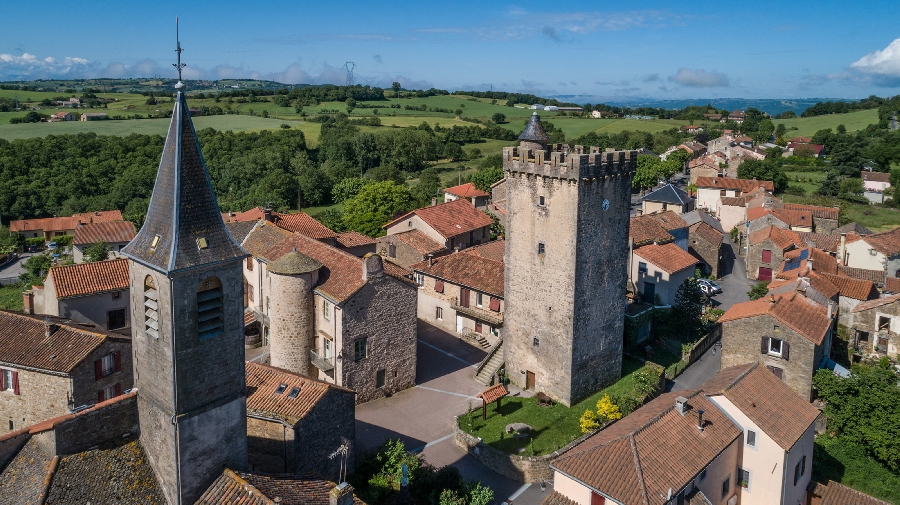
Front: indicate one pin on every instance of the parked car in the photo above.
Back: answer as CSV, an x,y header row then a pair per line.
x,y
52,246
708,291
713,287
33,248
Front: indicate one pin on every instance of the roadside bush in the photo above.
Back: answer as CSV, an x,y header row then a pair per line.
x,y
758,290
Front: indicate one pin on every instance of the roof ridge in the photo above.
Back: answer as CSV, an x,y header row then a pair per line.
x,y
249,364
637,468
250,488
740,377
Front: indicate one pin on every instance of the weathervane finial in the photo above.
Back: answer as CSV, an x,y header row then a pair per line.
x,y
178,65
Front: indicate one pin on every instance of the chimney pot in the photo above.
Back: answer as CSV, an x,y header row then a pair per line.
x,y
372,267
430,259
28,301
342,494
433,201
700,420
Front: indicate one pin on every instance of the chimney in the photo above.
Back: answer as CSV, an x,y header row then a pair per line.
x,y
681,405
28,301
49,328
841,248
830,308
700,420
342,494
433,201
372,267
267,214
772,302
430,259
809,263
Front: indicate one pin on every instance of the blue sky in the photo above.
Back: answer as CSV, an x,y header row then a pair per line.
x,y
650,49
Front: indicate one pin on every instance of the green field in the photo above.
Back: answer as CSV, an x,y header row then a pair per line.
x,y
808,126
11,297
810,181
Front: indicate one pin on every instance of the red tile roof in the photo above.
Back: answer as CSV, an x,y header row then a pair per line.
x,y
839,494
707,232
779,237
450,219
667,257
647,229
100,216
467,190
342,274
892,284
106,231
802,315
757,212
555,498
493,393
493,250
43,224
89,278
264,236
23,341
468,270
263,380
817,211
887,243
745,185
793,217
733,201
304,224
232,489
294,489
419,241
853,288
670,220
877,302
823,285
876,276
354,239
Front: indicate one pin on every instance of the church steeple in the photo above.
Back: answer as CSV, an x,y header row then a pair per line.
x,y
183,227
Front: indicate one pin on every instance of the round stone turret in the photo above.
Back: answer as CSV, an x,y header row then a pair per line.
x,y
534,137
292,279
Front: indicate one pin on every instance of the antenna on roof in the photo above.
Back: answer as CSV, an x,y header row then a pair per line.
x,y
178,50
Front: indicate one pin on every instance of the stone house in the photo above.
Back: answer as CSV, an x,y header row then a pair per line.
x,y
93,293
452,224
50,366
711,189
880,251
667,198
298,222
294,423
875,326
677,227
345,320
794,220
469,192
876,182
825,219
706,245
117,234
497,207
788,333
703,167
766,251
409,247
62,116
852,293
462,293
659,269
743,435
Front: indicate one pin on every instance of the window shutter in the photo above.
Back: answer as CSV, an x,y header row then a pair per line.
x,y
439,286
98,369
495,304
118,359
764,345
785,350
2,381
100,396
118,389
15,384
779,373
464,297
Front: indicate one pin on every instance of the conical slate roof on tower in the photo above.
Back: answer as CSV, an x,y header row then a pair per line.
x,y
535,130
183,227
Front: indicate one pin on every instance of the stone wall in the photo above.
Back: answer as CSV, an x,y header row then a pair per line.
x,y
429,300
291,327
41,396
404,254
270,445
85,384
92,427
754,259
331,422
10,445
710,254
95,309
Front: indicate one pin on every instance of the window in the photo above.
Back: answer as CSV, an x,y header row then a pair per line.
x,y
107,364
703,475
9,381
249,292
775,346
379,379
280,389
409,223
743,478
642,267
360,350
766,256
294,392
799,470
210,315
478,327
541,248
151,308
392,249
116,319
326,346
420,279
439,313
751,438
250,263
438,286
726,487
536,342
116,295
326,310
11,425
108,393
777,371
495,304
541,201
479,300
884,323
464,297
722,192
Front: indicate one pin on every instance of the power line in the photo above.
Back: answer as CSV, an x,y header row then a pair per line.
x,y
349,66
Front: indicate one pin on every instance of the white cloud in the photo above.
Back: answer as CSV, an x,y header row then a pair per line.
x,y
882,66
29,66
699,78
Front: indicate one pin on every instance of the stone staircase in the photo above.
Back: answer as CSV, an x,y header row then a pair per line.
x,y
489,367
477,340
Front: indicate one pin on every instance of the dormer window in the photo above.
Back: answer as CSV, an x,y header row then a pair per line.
x,y
210,315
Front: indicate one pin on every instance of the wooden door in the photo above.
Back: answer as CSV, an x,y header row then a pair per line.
x,y
529,379
765,274
596,499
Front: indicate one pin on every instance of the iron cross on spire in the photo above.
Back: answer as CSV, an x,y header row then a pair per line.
x,y
178,65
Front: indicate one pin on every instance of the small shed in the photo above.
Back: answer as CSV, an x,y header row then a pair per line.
x,y
490,395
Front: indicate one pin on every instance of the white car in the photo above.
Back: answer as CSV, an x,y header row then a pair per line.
x,y
710,285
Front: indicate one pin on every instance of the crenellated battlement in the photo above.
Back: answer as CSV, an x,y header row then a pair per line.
x,y
563,162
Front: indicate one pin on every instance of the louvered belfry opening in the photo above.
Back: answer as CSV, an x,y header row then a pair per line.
x,y
210,321
151,308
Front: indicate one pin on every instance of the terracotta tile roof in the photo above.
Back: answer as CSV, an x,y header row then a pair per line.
x,y
802,315
262,381
493,250
887,243
119,473
801,140
823,285
108,231
670,220
632,461
419,241
745,185
249,317
817,211
876,276
852,227
757,212
707,233
469,270
668,257
823,262
839,494
853,288
231,489
555,498
828,243
294,489
100,216
254,214
781,239
647,229
768,401
793,217
23,341
304,224
89,278
263,238
341,276
43,224
493,393
498,208
877,302
733,201
450,219
892,285
467,190
354,239
399,272
876,176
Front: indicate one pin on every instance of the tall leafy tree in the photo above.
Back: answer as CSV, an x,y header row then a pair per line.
x,y
375,205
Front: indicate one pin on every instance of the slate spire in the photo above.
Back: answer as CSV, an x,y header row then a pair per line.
x,y
183,227
534,131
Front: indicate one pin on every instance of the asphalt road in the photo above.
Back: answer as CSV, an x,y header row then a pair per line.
x,y
13,269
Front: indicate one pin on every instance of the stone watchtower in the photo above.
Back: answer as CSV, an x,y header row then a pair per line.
x,y
292,313
187,324
566,261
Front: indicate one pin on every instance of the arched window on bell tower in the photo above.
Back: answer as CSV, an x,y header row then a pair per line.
x,y
151,308
210,322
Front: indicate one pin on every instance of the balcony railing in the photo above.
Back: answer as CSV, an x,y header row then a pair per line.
x,y
493,318
323,364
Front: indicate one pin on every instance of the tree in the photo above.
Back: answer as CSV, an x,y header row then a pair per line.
x,y
498,117
647,172
396,87
347,188
852,187
375,205
8,241
688,308
764,170
485,177
780,130
607,410
454,152
428,187
831,186
333,219
36,268
98,251
758,290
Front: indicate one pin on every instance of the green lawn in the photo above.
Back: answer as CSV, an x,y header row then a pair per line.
x,y
874,217
837,460
810,181
11,297
554,427
808,126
